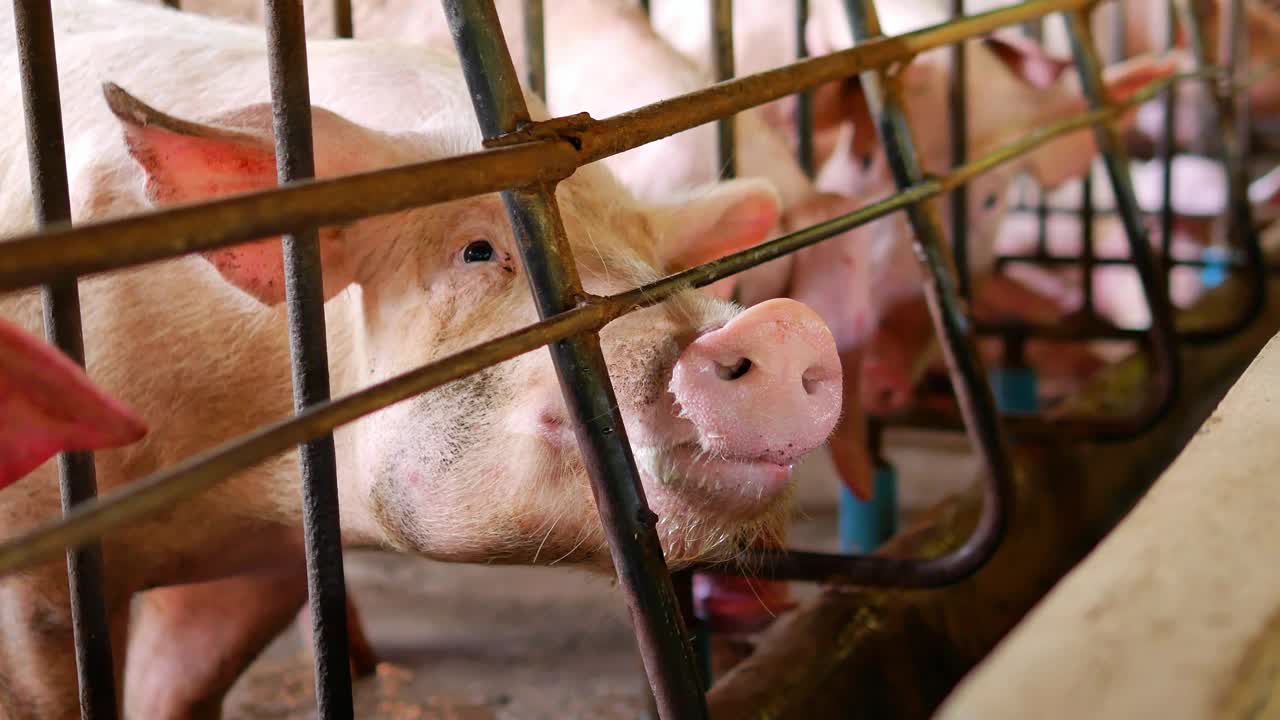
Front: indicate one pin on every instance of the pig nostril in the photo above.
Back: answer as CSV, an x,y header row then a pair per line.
x,y
733,373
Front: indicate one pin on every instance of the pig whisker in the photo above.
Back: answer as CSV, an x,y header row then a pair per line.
x,y
582,537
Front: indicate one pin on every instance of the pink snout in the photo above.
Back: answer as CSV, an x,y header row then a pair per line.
x,y
765,387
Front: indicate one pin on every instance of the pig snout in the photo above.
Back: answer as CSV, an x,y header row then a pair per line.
x,y
764,387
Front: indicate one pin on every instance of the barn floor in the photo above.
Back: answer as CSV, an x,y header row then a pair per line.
x,y
469,642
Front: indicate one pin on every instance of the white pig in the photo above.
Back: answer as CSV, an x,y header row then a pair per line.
x,y
603,57
484,469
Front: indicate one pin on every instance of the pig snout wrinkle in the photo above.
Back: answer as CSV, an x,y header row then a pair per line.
x,y
766,386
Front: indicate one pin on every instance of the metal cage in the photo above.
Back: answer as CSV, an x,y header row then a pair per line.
x,y
524,160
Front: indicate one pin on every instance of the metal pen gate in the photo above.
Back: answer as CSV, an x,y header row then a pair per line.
x,y
524,160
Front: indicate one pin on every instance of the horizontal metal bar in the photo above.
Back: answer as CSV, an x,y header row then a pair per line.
x,y
36,258
63,251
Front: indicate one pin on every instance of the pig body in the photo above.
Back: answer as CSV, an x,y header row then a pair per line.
x,y
198,347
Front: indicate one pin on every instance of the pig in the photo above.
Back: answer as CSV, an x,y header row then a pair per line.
x,y
642,68
718,401
48,405
899,356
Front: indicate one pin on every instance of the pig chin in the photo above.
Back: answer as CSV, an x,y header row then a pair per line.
x,y
711,509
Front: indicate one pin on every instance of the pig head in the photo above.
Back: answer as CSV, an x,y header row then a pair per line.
x,y
410,288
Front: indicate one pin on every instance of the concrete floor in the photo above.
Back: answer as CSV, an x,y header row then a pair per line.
x,y
472,642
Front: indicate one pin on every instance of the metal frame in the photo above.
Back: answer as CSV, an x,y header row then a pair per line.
x,y
524,160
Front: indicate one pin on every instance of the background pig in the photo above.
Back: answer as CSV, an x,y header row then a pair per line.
x,y
48,405
197,346
899,355
1014,86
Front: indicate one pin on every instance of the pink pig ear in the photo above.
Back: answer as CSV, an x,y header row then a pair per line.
x,y
48,405
187,162
1026,58
729,217
1070,156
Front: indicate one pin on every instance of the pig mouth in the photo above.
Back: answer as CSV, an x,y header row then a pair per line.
x,y
726,485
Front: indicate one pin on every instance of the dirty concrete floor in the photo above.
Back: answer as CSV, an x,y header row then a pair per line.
x,y
472,642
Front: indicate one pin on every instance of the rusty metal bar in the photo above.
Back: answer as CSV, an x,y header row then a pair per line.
x,y
535,47
309,358
343,26
77,481
722,60
804,101
629,524
957,100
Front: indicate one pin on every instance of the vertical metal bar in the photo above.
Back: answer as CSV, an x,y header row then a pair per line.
x,y
1168,103
1034,29
1222,117
343,25
535,47
46,151
1087,249
1117,163
722,57
308,348
804,101
957,99
1234,50
973,395
584,379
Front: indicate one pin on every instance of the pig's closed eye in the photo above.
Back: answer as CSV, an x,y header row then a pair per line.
x,y
478,251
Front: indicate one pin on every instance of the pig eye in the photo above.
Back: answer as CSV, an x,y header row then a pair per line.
x,y
866,161
989,201
477,251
